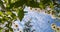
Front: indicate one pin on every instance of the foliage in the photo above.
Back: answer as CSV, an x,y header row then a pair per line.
x,y
8,7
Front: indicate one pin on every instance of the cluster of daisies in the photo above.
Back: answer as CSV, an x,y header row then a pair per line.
x,y
55,28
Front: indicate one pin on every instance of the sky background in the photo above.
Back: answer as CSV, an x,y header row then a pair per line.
x,y
38,20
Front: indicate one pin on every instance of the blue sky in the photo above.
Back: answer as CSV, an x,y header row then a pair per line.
x,y
38,20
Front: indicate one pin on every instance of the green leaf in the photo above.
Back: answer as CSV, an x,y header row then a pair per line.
x,y
0,30
32,4
1,2
0,20
1,13
13,16
8,12
17,4
21,14
13,1
41,5
51,5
